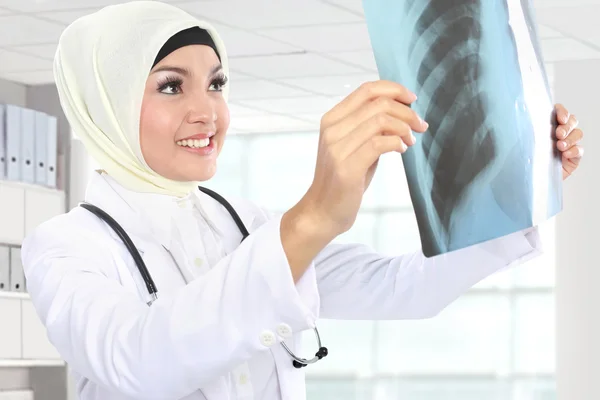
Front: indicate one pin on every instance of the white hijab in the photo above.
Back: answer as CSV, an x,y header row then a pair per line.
x,y
100,68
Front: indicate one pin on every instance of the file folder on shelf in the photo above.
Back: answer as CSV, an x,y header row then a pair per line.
x,y
27,145
17,276
2,141
13,142
52,146
4,269
41,148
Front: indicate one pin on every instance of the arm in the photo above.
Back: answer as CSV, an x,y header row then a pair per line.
x,y
182,341
357,283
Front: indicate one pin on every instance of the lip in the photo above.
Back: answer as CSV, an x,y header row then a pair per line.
x,y
199,136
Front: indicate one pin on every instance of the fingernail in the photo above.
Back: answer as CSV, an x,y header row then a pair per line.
x,y
560,133
563,144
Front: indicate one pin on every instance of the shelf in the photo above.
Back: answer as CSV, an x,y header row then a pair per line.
x,y
14,295
30,186
22,363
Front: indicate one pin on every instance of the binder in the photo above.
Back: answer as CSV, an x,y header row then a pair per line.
x,y
41,147
17,277
52,147
13,142
4,269
2,142
27,145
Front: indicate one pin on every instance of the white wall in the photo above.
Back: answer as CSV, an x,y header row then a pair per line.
x,y
13,93
578,270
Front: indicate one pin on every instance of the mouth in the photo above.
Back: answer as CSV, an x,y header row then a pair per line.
x,y
203,144
194,143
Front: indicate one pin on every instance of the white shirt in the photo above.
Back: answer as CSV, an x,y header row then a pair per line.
x,y
215,331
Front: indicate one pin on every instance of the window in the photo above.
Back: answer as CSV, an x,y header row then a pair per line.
x,y
496,342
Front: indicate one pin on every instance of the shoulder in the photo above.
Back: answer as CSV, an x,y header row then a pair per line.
x,y
77,233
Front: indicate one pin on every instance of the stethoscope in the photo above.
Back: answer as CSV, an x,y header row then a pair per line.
x,y
151,286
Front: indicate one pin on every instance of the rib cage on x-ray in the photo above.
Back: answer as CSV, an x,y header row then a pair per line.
x,y
471,174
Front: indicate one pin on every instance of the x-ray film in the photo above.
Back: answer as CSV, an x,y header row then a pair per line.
x,y
487,166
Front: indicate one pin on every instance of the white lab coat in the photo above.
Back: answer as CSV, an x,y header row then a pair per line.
x,y
198,337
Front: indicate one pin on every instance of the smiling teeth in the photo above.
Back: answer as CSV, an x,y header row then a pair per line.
x,y
194,143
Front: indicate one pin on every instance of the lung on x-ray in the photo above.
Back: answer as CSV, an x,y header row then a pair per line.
x,y
487,166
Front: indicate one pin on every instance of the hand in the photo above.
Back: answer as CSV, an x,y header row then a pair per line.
x,y
373,120
568,137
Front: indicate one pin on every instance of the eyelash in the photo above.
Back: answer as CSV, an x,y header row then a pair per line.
x,y
175,82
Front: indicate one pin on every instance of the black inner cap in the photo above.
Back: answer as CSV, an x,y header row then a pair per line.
x,y
186,37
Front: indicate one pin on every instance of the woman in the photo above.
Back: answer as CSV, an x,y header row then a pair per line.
x,y
143,85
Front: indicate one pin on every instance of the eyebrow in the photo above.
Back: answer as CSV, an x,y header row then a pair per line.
x,y
184,71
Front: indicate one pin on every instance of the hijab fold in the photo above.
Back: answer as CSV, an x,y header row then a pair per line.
x,y
100,68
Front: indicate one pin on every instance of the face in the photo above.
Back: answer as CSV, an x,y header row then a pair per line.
x,y
184,116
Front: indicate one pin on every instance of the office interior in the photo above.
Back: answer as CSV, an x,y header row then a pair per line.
x,y
527,333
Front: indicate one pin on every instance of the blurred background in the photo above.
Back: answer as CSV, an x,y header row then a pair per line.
x,y
528,333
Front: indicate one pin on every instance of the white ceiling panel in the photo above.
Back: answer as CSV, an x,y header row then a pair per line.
x,y
236,110
324,38
352,5
567,49
234,77
290,66
583,22
294,105
546,32
262,89
15,62
18,30
4,12
364,58
66,17
32,6
30,78
332,85
543,4
242,43
270,123
255,14
45,51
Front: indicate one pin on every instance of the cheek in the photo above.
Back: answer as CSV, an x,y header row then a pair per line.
x,y
158,126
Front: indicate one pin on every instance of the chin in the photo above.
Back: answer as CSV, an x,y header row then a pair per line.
x,y
202,173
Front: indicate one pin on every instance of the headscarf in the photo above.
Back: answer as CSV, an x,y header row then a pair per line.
x,y
101,66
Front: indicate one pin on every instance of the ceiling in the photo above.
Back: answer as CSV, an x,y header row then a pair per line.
x,y
291,60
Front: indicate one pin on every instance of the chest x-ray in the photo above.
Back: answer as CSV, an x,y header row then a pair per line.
x,y
487,166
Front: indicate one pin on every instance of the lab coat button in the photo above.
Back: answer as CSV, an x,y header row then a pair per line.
x,y
198,261
267,338
243,379
284,330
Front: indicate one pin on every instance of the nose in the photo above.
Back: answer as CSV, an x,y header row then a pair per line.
x,y
201,109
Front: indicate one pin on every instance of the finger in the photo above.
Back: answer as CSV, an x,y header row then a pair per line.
x,y
378,125
574,137
562,114
574,153
564,130
370,151
367,92
381,105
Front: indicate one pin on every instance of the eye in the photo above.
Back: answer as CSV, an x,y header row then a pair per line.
x,y
170,86
217,83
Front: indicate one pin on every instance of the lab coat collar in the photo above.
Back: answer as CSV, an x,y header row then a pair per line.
x,y
146,215
150,215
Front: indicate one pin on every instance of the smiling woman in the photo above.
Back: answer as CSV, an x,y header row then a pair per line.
x,y
180,294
